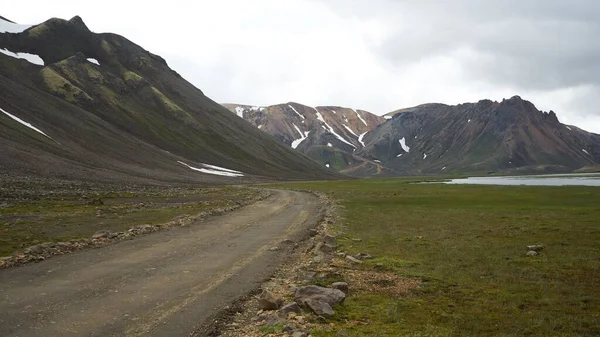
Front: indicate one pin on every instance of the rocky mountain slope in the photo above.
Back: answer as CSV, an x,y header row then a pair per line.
x,y
483,137
331,135
75,104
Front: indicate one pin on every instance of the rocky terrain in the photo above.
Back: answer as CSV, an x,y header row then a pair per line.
x,y
330,135
81,105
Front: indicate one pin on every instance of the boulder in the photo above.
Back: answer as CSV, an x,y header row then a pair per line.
x,y
532,253
319,307
342,286
328,295
269,301
289,308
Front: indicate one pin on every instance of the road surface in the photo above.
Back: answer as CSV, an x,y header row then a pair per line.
x,y
163,284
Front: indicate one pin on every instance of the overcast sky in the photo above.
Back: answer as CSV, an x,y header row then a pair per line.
x,y
376,55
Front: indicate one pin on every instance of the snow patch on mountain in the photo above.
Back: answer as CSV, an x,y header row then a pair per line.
x,y
350,130
9,27
215,170
405,147
31,58
25,123
239,111
360,117
360,138
296,111
330,129
585,151
303,136
94,61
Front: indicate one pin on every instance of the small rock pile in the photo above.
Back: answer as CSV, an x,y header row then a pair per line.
x,y
534,250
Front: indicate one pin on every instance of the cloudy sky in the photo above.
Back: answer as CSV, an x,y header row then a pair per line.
x,y
376,55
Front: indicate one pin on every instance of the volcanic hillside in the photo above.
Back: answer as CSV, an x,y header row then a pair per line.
x,y
80,105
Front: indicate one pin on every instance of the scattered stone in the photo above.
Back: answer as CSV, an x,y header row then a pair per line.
x,y
330,240
288,241
300,334
274,249
312,232
535,248
379,266
319,307
342,286
290,308
269,301
357,240
532,253
363,256
99,235
352,259
343,333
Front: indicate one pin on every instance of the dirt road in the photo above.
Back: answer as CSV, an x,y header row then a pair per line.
x,y
164,284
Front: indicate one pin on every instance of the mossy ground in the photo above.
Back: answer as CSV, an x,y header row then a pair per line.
x,y
467,245
29,219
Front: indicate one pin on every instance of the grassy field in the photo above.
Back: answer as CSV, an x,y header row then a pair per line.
x,y
37,212
467,244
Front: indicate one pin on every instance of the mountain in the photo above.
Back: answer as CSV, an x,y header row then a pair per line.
x,y
331,135
483,137
81,105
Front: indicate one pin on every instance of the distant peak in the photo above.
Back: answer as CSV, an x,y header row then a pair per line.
x,y
78,21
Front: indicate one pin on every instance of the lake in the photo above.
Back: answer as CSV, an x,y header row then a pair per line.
x,y
591,179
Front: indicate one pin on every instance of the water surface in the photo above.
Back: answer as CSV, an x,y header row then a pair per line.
x,y
587,179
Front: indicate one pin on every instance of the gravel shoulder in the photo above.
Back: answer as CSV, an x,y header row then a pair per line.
x,y
167,283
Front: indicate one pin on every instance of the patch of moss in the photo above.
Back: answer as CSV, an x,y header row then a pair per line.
x,y
38,31
166,101
62,87
107,47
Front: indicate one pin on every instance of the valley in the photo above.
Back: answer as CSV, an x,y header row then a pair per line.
x,y
132,204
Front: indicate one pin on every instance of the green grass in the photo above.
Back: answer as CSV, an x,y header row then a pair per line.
x,y
467,244
66,213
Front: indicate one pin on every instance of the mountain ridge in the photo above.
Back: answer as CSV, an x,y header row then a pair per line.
x,y
96,93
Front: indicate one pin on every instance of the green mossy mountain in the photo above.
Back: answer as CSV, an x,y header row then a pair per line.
x,y
130,117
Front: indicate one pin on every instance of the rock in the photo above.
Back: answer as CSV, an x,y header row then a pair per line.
x,y
37,249
99,235
330,240
328,295
343,333
326,248
352,259
274,249
289,308
288,328
357,240
319,307
112,235
300,334
535,248
363,256
312,232
532,253
342,286
269,301
379,266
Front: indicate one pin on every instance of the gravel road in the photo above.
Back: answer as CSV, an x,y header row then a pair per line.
x,y
163,284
